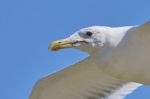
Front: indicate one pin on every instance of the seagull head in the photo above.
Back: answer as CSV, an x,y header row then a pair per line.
x,y
86,39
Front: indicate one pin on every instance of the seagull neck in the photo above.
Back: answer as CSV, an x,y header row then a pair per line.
x,y
117,33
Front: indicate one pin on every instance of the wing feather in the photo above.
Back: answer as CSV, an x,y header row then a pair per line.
x,y
83,80
141,32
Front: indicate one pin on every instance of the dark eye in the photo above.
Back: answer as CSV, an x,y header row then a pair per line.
x,y
89,33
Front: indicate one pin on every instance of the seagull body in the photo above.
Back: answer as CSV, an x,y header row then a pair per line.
x,y
118,63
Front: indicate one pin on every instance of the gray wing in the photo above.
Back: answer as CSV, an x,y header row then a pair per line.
x,y
141,31
83,80
144,28
135,50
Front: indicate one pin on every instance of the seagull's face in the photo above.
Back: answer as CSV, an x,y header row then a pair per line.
x,y
87,39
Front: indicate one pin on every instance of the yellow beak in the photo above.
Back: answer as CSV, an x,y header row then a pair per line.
x,y
60,44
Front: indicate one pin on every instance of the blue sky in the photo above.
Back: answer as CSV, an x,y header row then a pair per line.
x,y
28,26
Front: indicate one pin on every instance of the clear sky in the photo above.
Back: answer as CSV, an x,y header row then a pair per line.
x,y
28,26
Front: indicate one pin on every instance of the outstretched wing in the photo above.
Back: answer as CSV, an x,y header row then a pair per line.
x,y
141,32
134,54
144,28
83,80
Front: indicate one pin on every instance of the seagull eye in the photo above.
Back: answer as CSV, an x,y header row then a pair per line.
x,y
89,34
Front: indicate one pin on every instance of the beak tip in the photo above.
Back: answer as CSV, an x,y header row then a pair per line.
x,y
53,47
57,45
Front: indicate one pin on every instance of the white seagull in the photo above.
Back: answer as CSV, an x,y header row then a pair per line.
x,y
119,62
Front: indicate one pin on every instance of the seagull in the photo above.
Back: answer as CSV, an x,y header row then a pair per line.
x,y
118,63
